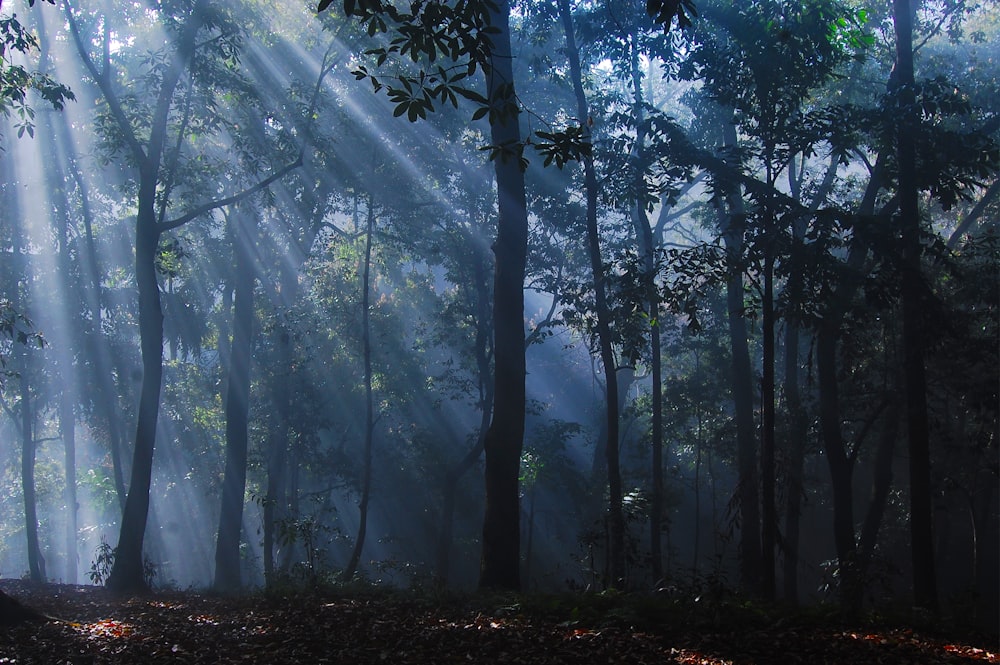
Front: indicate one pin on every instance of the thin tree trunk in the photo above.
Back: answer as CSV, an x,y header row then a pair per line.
x,y
798,429
644,235
36,564
733,225
616,521
841,466
366,478
67,427
485,375
768,510
127,572
500,564
881,486
278,443
227,549
57,182
915,384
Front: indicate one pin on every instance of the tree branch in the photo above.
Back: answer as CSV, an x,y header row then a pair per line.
x,y
235,198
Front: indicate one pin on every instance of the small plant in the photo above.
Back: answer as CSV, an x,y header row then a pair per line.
x,y
100,567
309,533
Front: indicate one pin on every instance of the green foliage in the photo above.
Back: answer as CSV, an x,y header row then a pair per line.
x,y
16,80
314,537
104,561
460,33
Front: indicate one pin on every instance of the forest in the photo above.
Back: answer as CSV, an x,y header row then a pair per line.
x,y
692,298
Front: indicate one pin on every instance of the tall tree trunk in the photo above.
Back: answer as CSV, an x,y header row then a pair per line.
x,y
881,486
277,456
67,427
840,463
769,518
921,508
227,548
366,350
127,572
66,339
36,563
19,288
644,235
500,565
484,330
616,520
798,430
733,227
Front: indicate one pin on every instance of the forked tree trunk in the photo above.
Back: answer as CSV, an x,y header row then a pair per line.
x,y
227,548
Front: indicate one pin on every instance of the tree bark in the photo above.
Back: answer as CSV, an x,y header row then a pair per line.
x,y
733,223
366,351
644,236
921,508
36,563
67,427
797,431
227,548
615,518
500,564
840,464
484,330
127,572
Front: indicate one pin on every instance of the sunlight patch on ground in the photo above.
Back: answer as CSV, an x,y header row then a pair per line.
x,y
107,628
689,657
894,639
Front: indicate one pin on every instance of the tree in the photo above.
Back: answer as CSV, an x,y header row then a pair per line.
x,y
156,161
237,404
915,384
616,520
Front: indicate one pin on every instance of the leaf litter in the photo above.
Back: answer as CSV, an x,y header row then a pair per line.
x,y
91,625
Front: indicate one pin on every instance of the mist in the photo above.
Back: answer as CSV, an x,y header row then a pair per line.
x,y
253,264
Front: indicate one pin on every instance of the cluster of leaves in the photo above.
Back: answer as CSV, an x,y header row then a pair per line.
x,y
460,33
664,12
16,80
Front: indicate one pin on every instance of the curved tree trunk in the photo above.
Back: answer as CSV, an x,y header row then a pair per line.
x,y
127,572
616,520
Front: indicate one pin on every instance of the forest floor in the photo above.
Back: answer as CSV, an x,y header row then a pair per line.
x,y
357,627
